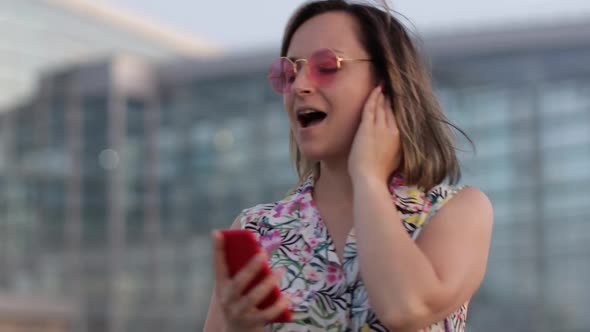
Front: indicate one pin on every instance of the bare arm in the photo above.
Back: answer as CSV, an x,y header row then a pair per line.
x,y
411,284
426,280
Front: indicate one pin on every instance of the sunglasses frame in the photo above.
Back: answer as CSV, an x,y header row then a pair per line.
x,y
294,63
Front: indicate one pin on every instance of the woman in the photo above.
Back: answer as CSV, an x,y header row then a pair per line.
x,y
374,153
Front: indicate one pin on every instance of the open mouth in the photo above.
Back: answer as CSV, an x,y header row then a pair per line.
x,y
310,117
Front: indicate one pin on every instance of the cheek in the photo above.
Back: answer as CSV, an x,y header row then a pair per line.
x,y
351,95
287,102
288,106
350,104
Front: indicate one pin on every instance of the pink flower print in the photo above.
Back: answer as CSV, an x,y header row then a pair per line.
x,y
311,274
305,254
394,199
293,207
297,205
297,298
278,209
333,274
271,241
427,206
303,206
314,241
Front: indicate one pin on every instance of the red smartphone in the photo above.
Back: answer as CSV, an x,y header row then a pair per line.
x,y
240,247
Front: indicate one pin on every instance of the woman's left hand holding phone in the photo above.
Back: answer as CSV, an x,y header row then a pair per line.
x,y
240,309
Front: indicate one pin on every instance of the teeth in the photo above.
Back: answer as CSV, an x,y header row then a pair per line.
x,y
308,111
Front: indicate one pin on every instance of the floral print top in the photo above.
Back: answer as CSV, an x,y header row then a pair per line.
x,y
326,294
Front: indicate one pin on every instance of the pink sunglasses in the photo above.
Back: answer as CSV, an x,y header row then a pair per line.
x,y
322,67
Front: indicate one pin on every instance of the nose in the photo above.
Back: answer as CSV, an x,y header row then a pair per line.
x,y
303,85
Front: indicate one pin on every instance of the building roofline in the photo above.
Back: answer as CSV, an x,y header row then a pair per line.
x,y
455,44
183,43
179,72
514,38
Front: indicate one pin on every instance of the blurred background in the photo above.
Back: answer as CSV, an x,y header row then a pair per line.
x,y
131,128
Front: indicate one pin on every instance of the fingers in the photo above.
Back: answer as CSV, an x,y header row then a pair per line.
x,y
380,110
241,309
220,267
244,277
273,311
257,294
389,116
244,309
368,115
279,272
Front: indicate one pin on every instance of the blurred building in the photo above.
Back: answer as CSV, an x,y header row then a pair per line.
x,y
114,172
42,142
524,97
40,34
26,314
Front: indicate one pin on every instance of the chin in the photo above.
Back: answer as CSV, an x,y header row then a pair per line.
x,y
312,154
318,153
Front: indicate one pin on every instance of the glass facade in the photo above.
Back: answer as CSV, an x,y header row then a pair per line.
x,y
531,126
39,35
109,188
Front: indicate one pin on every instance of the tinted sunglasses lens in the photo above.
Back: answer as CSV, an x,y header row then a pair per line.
x,y
281,75
323,66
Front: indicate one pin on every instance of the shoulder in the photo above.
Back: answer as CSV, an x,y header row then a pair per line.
x,y
257,214
443,194
460,203
474,196
471,200
452,202
253,215
462,196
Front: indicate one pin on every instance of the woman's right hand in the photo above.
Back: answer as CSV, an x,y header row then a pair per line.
x,y
240,310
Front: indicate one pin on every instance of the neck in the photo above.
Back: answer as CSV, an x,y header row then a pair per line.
x,y
334,182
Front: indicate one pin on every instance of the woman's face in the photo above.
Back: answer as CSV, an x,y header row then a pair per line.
x,y
342,100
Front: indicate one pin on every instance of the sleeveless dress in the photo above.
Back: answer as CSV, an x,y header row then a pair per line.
x,y
326,294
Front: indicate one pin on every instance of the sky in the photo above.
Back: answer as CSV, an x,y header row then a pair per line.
x,y
238,25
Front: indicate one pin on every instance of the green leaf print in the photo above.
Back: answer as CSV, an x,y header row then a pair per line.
x,y
323,313
311,322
